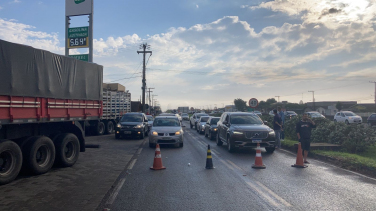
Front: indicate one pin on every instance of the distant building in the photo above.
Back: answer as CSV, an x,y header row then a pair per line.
x,y
230,108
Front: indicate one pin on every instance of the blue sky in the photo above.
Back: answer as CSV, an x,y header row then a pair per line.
x,y
211,52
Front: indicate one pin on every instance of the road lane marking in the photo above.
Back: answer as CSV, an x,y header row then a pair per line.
x,y
132,164
234,165
215,151
226,164
274,194
114,194
271,201
139,151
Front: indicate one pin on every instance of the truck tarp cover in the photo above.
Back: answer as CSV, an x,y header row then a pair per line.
x,y
30,72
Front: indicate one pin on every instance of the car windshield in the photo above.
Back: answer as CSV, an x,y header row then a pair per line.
x,y
245,119
349,114
214,120
184,114
315,114
204,119
150,118
166,122
166,114
200,115
131,118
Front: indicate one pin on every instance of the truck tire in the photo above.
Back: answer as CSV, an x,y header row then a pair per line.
x,y
99,129
39,154
10,161
109,127
67,149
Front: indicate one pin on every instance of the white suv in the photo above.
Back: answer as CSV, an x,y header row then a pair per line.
x,y
347,117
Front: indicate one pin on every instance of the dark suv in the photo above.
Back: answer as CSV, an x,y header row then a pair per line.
x,y
132,124
244,130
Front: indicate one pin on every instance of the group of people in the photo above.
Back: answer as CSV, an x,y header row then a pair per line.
x,y
303,131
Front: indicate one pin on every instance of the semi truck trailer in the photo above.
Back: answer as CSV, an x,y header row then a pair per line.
x,y
46,102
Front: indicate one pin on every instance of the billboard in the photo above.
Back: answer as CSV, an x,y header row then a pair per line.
x,y
78,7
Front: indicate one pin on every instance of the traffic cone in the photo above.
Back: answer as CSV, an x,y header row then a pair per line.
x,y
157,165
258,161
209,160
299,158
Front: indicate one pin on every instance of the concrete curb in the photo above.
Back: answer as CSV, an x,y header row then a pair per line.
x,y
362,169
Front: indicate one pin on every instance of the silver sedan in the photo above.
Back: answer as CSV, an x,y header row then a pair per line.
x,y
166,130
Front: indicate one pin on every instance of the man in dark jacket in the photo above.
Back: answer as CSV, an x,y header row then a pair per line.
x,y
303,131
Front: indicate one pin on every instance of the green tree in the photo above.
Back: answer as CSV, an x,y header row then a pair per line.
x,y
339,106
271,101
240,104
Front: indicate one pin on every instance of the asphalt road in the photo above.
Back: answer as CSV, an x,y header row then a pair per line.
x,y
81,187
233,184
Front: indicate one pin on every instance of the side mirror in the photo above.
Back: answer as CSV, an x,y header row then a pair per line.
x,y
265,122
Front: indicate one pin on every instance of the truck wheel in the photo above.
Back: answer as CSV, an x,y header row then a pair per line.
x,y
109,127
219,142
67,149
269,149
10,161
99,129
39,154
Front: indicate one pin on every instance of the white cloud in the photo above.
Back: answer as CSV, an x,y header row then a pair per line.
x,y
12,31
196,5
1,8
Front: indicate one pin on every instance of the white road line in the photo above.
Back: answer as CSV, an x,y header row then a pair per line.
x,y
274,194
215,151
359,174
139,151
226,164
132,164
114,194
271,201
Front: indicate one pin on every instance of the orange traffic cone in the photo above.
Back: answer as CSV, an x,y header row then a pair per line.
x,y
157,165
258,161
299,158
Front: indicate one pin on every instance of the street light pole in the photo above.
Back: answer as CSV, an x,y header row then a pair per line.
x,y
313,98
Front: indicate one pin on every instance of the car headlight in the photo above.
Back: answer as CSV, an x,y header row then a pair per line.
x,y
138,126
155,133
177,133
215,129
238,132
350,117
272,133
118,125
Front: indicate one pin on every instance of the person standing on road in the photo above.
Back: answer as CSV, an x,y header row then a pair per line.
x,y
303,131
282,115
277,126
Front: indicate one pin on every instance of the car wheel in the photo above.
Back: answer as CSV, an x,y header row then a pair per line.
x,y
210,136
230,146
206,135
181,144
269,149
347,122
219,142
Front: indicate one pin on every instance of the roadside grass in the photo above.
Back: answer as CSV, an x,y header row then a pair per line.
x,y
364,162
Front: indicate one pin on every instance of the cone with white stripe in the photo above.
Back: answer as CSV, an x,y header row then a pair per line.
x,y
157,165
258,161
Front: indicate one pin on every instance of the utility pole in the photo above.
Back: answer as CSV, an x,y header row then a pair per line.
x,y
375,92
144,46
278,98
150,99
313,98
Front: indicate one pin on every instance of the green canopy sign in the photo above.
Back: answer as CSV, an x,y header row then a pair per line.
x,y
78,1
78,32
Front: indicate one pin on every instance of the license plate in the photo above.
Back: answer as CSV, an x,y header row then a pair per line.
x,y
256,141
127,132
166,138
